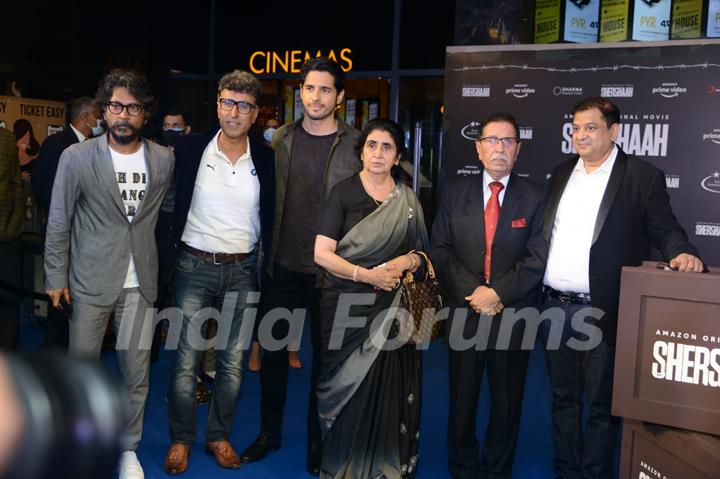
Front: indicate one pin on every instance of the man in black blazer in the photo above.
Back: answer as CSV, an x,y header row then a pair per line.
x,y
84,123
223,210
481,271
604,210
84,116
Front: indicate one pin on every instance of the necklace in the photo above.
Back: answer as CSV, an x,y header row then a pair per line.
x,y
368,186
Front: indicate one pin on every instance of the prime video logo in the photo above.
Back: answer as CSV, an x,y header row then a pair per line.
x,y
714,136
520,90
669,90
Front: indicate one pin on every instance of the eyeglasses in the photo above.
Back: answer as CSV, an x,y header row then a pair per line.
x,y
507,141
116,108
226,104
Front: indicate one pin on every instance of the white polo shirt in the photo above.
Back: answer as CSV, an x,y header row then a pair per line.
x,y
568,265
224,214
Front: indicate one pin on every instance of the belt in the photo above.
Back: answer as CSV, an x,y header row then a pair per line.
x,y
569,298
215,258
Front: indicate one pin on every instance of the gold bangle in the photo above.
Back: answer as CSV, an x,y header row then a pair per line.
x,y
413,263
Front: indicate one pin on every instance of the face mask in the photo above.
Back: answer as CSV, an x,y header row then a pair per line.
x,y
171,135
268,134
97,130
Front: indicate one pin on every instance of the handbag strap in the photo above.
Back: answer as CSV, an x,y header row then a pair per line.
x,y
429,271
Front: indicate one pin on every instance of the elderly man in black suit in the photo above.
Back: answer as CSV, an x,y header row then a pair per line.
x,y
604,210
499,215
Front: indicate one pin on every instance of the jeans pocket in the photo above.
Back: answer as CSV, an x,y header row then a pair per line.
x,y
187,263
249,265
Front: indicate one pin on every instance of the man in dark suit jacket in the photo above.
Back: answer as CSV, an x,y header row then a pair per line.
x,y
604,211
84,116
84,123
223,209
485,260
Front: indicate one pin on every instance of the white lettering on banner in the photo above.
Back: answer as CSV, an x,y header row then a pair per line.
x,y
526,133
652,140
686,363
707,229
476,91
618,91
672,182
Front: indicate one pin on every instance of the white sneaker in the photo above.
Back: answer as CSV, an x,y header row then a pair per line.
x,y
129,467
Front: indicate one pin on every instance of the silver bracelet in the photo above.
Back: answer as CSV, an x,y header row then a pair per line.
x,y
355,272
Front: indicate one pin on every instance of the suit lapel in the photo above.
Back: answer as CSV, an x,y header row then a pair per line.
x,y
611,191
151,169
509,208
107,176
559,183
476,209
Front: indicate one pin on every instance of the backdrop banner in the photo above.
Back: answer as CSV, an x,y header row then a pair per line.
x,y
668,94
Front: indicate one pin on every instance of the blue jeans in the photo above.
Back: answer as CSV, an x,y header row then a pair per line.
x,y
200,285
582,451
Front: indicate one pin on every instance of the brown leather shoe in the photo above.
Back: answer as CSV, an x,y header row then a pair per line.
x,y
224,454
176,461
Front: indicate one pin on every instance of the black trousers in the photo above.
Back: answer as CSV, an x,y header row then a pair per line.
x,y
506,375
579,377
291,290
10,265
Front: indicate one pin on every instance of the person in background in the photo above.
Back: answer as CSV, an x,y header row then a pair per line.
x,y
176,123
255,361
11,225
85,122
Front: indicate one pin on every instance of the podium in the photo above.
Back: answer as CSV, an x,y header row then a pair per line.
x,y
667,373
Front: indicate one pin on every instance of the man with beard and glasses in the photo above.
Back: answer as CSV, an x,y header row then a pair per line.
x,y
100,252
311,156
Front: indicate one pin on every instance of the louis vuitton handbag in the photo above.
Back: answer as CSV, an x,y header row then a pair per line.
x,y
423,298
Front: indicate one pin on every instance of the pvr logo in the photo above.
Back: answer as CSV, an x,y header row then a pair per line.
x,y
647,21
577,22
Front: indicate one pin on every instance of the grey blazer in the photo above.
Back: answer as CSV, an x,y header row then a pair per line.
x,y
89,239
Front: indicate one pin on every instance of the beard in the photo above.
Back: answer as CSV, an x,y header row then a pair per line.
x,y
126,138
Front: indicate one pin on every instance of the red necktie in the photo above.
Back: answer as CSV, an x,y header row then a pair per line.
x,y
492,213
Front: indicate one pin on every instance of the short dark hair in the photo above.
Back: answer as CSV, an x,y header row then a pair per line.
x,y
382,124
608,109
498,117
81,105
324,64
136,83
241,81
175,111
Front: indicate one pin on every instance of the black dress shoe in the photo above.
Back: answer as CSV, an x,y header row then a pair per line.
x,y
259,449
313,469
313,459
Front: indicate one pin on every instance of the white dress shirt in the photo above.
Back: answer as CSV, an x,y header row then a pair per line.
x,y
79,135
568,265
224,214
486,187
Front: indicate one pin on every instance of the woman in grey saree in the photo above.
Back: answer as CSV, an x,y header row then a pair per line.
x,y
369,386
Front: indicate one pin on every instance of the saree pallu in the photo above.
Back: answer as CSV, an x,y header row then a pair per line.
x,y
368,391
